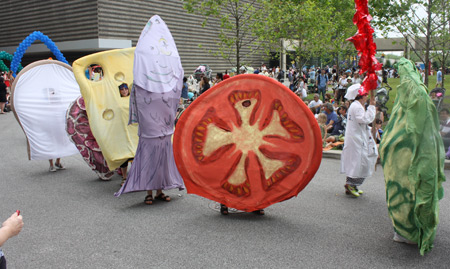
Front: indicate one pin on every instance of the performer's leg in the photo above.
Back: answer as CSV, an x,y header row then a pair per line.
x,y
161,196
351,186
355,181
2,107
259,212
124,175
59,165
223,209
124,169
149,198
52,168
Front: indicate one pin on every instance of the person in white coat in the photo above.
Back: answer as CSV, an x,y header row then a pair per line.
x,y
360,152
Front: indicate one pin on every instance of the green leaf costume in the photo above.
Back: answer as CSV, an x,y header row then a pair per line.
x,y
412,155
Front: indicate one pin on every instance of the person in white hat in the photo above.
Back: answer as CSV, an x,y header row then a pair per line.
x,y
360,151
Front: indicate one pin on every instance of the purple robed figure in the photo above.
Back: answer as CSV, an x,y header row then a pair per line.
x,y
155,95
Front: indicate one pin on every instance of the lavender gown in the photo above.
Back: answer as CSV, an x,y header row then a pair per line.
x,y
158,80
154,166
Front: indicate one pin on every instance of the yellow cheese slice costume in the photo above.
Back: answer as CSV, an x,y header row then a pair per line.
x,y
106,109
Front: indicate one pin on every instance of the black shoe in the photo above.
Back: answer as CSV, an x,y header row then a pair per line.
x,y
223,209
259,212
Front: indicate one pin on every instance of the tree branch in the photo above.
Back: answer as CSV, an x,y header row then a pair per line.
x,y
248,6
233,10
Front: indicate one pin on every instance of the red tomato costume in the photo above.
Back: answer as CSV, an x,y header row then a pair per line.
x,y
248,142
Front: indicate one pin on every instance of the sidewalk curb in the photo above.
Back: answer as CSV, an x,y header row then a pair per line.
x,y
336,154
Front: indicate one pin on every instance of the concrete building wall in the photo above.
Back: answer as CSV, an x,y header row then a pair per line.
x,y
61,20
126,19
93,21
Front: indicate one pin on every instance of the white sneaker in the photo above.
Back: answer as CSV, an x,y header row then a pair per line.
x,y
400,239
52,169
59,166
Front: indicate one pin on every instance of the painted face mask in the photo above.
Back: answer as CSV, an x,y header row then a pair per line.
x,y
162,73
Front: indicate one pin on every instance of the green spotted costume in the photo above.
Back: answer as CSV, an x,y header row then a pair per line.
x,y
412,155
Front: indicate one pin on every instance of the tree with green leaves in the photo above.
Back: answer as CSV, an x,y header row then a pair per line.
x,y
419,21
441,44
236,19
314,28
292,24
342,27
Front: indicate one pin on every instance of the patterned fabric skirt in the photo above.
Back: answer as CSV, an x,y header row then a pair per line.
x,y
355,181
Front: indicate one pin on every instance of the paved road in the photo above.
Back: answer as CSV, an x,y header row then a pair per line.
x,y
72,220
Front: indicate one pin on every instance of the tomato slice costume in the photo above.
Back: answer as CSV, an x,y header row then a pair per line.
x,y
248,142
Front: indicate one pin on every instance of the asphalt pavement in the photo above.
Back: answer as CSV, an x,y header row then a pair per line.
x,y
73,220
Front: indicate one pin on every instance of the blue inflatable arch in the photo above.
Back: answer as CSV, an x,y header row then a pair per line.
x,y
26,43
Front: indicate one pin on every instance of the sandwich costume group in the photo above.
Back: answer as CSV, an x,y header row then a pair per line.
x,y
241,143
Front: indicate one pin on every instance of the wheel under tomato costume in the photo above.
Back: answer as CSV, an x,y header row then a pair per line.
x,y
248,142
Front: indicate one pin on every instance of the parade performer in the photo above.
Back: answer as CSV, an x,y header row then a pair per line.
x,y
107,112
41,93
360,152
247,143
412,155
124,92
156,92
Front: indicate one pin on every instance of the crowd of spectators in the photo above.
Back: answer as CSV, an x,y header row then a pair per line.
x,y
6,80
328,87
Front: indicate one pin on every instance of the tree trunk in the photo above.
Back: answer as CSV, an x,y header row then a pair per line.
x,y
337,66
428,40
238,58
238,40
406,51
